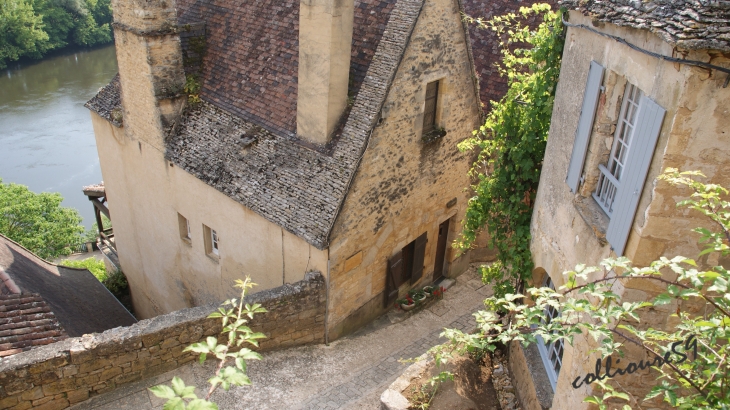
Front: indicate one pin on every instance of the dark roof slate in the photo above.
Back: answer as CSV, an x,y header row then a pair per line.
x,y
79,301
107,102
26,321
296,187
485,47
688,24
252,58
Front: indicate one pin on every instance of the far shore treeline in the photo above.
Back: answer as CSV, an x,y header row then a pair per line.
x,y
31,28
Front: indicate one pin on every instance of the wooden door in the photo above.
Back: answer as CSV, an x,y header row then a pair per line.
x,y
438,267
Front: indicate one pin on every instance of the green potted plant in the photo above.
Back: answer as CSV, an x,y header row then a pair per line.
x,y
406,303
417,295
428,290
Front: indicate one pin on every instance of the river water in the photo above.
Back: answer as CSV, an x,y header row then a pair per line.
x,y
46,138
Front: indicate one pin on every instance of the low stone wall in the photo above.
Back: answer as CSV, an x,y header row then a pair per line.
x,y
61,374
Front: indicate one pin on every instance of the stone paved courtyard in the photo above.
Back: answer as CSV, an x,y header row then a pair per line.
x,y
350,373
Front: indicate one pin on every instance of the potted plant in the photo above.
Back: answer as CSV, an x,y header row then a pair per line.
x,y
428,290
406,304
417,295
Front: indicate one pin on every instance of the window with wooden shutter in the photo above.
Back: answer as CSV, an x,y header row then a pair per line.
x,y
585,125
419,255
393,278
429,114
637,157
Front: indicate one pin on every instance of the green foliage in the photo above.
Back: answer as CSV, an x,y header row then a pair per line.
x,y
95,266
511,143
234,314
38,221
21,31
30,28
192,88
589,306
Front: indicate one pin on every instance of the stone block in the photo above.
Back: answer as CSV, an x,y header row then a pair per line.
x,y
59,387
70,370
110,373
23,405
17,387
41,401
94,365
9,402
33,394
76,396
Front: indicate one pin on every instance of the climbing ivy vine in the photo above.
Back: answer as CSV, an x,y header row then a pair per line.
x,y
511,143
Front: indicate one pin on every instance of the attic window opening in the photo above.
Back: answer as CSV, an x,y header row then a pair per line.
x,y
429,114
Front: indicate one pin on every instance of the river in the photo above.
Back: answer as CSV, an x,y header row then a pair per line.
x,y
46,138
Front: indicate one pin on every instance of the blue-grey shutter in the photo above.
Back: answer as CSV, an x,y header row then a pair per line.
x,y
643,141
585,125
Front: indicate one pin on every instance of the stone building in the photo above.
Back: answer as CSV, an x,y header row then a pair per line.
x,y
325,140
622,116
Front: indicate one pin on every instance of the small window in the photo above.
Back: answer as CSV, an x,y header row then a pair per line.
x,y
551,353
212,242
184,226
429,114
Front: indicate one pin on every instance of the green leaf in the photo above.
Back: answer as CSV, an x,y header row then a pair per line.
x,y
200,404
162,391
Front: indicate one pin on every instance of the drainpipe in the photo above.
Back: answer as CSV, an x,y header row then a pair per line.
x,y
9,283
327,305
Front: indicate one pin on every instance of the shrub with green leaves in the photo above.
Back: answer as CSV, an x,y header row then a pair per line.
x,y
589,306
511,143
234,314
95,266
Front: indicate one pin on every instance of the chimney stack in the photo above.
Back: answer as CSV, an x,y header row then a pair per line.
x,y
150,66
325,41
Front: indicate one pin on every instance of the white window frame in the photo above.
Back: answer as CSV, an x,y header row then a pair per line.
x,y
212,241
551,353
609,181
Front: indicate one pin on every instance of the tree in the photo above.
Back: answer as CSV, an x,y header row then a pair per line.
x,y
38,221
691,358
511,143
21,32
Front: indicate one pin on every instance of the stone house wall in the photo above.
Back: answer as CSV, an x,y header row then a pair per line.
x,y
405,186
693,136
64,373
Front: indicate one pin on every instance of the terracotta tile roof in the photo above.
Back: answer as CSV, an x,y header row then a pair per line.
x,y
107,102
26,321
80,303
485,45
276,176
252,58
688,24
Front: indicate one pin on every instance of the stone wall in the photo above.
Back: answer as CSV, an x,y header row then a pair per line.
x,y
64,373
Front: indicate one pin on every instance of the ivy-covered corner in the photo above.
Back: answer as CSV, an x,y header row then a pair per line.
x,y
511,143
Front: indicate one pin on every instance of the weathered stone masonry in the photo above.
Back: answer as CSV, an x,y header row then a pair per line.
x,y
62,374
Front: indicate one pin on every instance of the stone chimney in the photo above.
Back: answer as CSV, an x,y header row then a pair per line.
x,y
325,40
150,66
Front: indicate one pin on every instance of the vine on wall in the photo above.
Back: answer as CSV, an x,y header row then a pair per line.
x,y
511,143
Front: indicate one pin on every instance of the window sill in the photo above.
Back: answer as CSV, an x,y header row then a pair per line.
x,y
594,216
433,135
215,258
187,241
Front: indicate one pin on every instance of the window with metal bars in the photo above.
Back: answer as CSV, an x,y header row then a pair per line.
x,y
429,114
610,178
551,353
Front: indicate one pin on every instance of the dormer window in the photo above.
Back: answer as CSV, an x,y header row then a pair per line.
x,y
429,114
